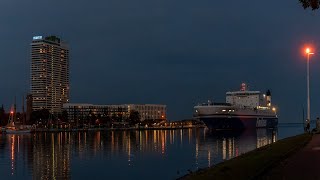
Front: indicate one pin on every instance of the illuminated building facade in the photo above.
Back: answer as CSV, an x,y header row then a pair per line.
x,y
149,111
49,73
82,111
146,111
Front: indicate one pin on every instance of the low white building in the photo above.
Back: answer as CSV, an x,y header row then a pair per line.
x,y
146,111
149,111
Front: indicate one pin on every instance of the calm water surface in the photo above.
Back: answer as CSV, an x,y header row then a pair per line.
x,y
156,154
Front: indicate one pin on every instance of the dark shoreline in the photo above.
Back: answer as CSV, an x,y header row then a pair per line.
x,y
253,164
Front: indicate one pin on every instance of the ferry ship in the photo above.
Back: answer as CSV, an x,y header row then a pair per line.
x,y
243,109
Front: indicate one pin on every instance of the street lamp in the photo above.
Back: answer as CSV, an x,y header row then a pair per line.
x,y
308,52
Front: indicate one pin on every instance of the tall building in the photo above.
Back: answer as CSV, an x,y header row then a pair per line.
x,y
49,73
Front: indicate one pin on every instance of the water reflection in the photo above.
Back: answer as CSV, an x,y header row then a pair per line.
x,y
220,146
51,156
140,154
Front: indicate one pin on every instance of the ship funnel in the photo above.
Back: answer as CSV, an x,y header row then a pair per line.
x,y
268,98
243,87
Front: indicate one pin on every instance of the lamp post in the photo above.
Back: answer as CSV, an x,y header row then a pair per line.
x,y
308,84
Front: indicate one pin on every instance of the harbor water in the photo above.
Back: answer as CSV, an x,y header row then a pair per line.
x,y
147,154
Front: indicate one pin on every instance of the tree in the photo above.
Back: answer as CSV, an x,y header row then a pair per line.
x,y
92,117
313,4
3,117
134,117
42,114
106,120
114,117
64,116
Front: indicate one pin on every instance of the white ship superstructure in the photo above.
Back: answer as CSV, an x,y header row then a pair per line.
x,y
242,109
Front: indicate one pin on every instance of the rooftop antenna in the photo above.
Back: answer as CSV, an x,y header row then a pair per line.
x,y
23,114
15,109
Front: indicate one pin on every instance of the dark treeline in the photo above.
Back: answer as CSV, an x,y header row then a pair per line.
x,y
3,117
44,117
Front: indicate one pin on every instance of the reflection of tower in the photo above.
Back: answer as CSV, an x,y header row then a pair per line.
x,y
53,162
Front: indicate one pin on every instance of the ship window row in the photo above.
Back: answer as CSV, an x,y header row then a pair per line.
x,y
248,97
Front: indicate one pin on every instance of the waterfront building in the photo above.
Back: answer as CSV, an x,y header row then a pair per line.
x,y
121,112
79,112
49,73
149,111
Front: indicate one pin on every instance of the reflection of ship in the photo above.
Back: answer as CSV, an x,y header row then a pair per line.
x,y
224,145
243,109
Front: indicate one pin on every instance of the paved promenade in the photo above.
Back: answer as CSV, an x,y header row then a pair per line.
x,y
305,164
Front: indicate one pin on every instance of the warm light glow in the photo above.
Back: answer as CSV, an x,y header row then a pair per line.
x,y
308,50
273,109
11,112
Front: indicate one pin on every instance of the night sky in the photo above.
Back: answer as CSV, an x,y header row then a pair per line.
x,y
174,52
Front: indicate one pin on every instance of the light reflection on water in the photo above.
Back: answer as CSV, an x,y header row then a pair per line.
x,y
156,154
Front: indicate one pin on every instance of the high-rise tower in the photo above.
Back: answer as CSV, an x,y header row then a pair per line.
x,y
49,73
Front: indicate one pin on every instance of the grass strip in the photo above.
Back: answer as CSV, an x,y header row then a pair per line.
x,y
254,163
